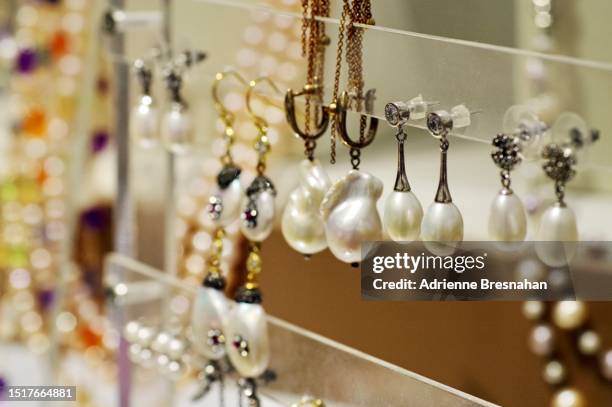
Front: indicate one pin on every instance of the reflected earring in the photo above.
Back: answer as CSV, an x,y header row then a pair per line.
x,y
443,221
211,307
144,119
349,206
558,223
403,212
177,124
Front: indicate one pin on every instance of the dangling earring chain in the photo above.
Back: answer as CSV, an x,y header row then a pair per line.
x,y
360,13
314,41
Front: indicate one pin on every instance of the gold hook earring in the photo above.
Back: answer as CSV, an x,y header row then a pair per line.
x,y
355,146
260,122
227,116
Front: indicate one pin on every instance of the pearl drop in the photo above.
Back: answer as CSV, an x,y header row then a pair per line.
x,y
302,225
533,310
441,227
403,216
248,322
606,365
589,343
568,398
542,340
507,219
144,122
177,129
210,309
266,210
231,199
570,314
557,228
554,373
350,214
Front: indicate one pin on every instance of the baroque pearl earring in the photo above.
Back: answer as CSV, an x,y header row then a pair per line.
x,y
349,206
144,117
403,212
443,222
177,124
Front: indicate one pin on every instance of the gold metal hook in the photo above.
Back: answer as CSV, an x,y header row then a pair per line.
x,y
260,122
342,108
227,116
308,89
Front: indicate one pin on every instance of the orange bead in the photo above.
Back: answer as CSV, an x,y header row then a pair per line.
x,y
89,337
60,43
35,123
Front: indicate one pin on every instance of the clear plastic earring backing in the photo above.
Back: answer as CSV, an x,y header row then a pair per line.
x,y
398,113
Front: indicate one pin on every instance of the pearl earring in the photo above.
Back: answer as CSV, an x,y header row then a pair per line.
x,y
246,325
403,212
177,124
144,118
507,219
349,206
302,225
443,222
558,223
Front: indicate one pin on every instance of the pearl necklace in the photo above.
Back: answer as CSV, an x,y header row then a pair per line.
x,y
568,316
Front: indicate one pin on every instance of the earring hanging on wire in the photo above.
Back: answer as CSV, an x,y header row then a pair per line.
x,y
246,326
144,118
211,306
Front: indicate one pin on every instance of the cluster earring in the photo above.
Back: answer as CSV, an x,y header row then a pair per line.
x,y
246,325
443,222
144,120
558,222
211,306
349,206
403,212
177,124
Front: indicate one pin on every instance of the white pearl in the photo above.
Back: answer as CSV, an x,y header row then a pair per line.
x,y
507,219
130,332
554,372
533,310
441,228
589,343
266,210
248,321
231,198
134,352
570,314
606,365
568,398
176,348
145,336
144,122
557,226
210,309
403,216
175,369
302,225
160,344
145,358
542,340
177,129
162,362
350,214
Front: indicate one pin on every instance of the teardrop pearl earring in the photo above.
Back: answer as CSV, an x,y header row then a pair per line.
x,y
507,219
443,223
144,118
403,212
177,124
558,223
